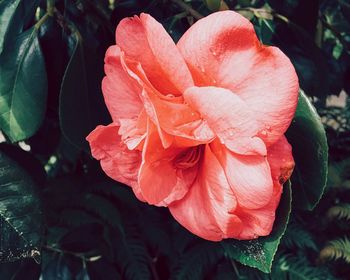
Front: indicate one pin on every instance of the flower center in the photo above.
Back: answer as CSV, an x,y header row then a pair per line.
x,y
188,158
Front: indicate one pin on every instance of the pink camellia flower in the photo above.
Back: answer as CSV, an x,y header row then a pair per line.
x,y
199,126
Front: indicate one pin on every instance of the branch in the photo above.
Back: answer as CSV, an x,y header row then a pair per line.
x,y
77,255
188,9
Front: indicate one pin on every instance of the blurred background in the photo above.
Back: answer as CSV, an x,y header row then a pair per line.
x,y
62,218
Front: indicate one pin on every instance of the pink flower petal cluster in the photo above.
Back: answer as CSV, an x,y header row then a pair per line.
x,y
198,126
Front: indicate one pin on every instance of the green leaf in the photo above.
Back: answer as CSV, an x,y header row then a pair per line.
x,y
7,11
102,208
265,29
20,212
74,103
14,14
23,87
259,253
310,151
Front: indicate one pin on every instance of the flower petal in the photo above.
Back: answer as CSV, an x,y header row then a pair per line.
x,y
259,222
133,131
249,176
117,161
121,92
208,207
145,40
170,114
229,117
160,182
281,160
222,49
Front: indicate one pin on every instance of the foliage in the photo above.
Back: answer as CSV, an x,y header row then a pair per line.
x,y
61,218
340,211
337,249
297,236
298,268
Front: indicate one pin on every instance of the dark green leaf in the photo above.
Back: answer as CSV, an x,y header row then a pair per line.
x,y
197,261
27,161
76,217
14,14
74,104
103,269
102,208
7,11
259,253
265,28
55,266
132,255
224,271
20,212
86,239
23,87
289,267
310,151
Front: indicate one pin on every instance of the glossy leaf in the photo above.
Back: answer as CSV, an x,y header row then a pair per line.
x,y
74,103
7,11
259,253
265,28
14,14
310,151
20,212
23,87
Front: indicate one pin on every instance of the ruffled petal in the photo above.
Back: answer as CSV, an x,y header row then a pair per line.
x,y
259,222
121,92
145,40
208,208
249,176
172,117
133,131
281,160
116,160
222,50
160,181
229,117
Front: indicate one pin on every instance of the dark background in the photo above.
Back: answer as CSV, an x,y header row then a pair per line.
x,y
62,218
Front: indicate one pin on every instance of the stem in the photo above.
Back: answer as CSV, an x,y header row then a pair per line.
x,y
53,249
42,20
77,255
50,6
188,9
